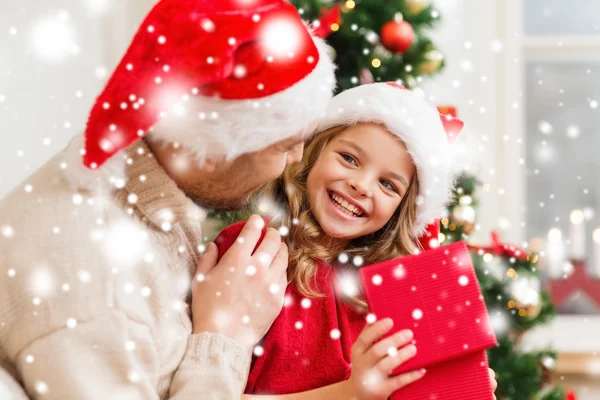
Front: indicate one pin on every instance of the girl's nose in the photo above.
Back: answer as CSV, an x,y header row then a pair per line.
x,y
360,186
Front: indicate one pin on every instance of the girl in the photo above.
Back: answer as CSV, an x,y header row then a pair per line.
x,y
373,178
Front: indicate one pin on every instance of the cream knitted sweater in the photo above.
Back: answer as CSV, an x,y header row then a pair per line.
x,y
94,289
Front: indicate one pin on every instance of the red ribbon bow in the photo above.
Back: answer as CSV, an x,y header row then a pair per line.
x,y
328,18
451,124
500,249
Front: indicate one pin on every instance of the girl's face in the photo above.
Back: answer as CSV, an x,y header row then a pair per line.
x,y
358,181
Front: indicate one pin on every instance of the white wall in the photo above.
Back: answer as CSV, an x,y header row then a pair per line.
x,y
40,107
473,38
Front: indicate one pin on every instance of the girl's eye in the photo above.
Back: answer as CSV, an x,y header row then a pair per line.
x,y
348,158
388,185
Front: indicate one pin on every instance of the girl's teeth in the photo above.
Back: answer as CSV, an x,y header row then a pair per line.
x,y
346,207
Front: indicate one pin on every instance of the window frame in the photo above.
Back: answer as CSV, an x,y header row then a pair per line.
x,y
519,50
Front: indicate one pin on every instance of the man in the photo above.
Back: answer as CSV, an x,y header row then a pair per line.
x,y
97,261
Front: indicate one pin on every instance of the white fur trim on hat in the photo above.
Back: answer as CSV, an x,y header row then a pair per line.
x,y
417,124
230,128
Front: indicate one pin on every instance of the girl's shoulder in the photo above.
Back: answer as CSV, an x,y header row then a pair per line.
x,y
227,237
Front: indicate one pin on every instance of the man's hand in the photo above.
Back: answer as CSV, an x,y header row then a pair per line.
x,y
241,296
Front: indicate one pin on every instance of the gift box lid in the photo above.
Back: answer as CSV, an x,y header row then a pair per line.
x,y
435,294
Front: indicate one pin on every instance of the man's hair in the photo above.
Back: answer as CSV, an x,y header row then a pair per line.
x,y
306,240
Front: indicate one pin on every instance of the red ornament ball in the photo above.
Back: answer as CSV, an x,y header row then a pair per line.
x,y
397,37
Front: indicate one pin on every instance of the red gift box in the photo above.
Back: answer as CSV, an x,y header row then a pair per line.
x,y
437,296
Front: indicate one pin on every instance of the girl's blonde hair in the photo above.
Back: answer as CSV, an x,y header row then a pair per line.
x,y
305,239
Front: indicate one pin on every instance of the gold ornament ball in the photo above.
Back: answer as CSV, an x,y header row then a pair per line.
x,y
530,311
433,62
464,216
415,7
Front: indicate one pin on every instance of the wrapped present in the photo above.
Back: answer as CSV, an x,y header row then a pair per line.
x,y
437,296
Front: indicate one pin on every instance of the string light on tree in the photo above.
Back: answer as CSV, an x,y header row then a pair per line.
x,y
348,6
433,62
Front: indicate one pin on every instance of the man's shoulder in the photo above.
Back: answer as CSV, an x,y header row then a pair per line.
x,y
46,210
58,256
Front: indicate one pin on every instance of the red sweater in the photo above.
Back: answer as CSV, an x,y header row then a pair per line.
x,y
299,351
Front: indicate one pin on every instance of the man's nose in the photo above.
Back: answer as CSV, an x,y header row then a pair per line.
x,y
295,155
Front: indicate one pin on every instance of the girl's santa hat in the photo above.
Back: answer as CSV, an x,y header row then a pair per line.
x,y
219,77
426,133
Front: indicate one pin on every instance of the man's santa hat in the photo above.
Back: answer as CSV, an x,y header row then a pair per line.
x,y
426,133
219,77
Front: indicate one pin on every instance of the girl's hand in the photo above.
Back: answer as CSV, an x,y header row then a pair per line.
x,y
372,364
493,379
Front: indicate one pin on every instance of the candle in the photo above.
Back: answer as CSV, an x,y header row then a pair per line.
x,y
596,266
555,253
577,236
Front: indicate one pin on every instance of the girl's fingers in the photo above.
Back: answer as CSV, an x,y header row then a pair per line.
x,y
389,344
399,381
493,379
370,334
389,363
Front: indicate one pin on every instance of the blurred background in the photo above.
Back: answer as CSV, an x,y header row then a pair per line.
x,y
522,74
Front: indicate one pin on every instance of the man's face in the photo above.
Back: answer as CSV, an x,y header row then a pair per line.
x,y
229,185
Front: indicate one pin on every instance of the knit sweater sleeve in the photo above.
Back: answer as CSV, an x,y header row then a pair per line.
x,y
114,357
214,367
110,353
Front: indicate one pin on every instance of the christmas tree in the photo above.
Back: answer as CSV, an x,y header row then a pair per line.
x,y
510,282
376,40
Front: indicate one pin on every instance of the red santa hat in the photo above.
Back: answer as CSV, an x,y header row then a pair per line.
x,y
220,77
426,133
